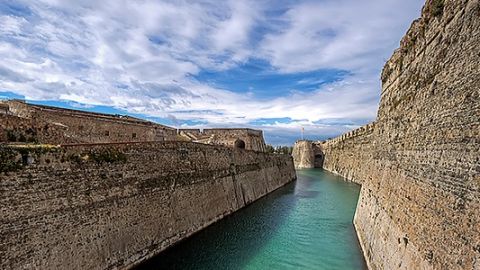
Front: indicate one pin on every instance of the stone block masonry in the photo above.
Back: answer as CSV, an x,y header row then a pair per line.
x,y
106,206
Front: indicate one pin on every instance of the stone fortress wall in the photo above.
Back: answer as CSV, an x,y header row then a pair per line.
x,y
83,190
244,138
107,206
57,125
23,122
418,163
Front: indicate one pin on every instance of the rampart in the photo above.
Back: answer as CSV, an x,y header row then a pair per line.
x,y
350,153
57,125
106,206
419,162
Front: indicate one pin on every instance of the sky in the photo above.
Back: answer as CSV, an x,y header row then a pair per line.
x,y
275,65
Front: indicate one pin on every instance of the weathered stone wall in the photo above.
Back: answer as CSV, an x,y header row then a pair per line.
x,y
78,126
419,163
114,205
348,155
30,130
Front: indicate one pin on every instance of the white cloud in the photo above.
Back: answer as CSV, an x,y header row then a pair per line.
x,y
11,24
140,55
341,34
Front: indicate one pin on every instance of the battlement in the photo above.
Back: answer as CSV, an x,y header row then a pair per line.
x,y
25,110
361,131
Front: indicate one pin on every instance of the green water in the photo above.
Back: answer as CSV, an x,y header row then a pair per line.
x,y
304,225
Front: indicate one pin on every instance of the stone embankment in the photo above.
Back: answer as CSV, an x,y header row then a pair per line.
x,y
106,206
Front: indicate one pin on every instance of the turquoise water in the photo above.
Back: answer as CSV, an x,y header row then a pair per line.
x,y
304,225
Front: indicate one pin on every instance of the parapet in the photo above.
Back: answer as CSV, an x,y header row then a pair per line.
x,y
361,131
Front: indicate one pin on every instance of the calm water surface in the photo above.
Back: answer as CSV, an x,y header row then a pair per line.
x,y
304,225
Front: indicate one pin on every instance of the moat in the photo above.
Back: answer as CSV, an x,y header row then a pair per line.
x,y
305,225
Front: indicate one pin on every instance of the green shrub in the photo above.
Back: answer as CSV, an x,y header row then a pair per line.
x,y
32,140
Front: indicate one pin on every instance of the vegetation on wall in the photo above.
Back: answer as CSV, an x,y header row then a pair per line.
x,y
8,160
14,157
107,156
30,136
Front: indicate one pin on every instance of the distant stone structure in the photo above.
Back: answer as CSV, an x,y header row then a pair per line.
x,y
54,125
24,122
243,138
418,163
308,154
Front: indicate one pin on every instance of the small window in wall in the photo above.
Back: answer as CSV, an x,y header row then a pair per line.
x,y
134,135
80,128
107,133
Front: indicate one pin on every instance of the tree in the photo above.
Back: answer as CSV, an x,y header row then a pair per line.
x,y
269,149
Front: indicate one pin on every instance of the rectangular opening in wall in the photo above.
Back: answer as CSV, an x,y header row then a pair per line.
x,y
107,133
134,135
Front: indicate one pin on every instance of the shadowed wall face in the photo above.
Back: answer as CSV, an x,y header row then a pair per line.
x,y
418,163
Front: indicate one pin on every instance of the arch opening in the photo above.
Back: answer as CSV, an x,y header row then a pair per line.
x,y
239,144
318,161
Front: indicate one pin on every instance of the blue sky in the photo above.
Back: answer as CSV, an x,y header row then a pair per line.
x,y
271,65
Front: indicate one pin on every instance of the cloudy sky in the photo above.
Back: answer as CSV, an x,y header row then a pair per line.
x,y
276,65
